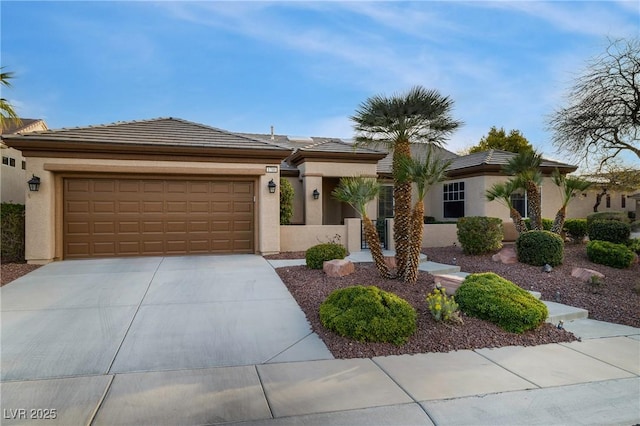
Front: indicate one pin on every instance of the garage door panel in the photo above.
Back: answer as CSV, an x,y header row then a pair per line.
x,y
122,217
104,228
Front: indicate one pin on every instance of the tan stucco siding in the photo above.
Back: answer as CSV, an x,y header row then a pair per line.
x,y
13,179
44,208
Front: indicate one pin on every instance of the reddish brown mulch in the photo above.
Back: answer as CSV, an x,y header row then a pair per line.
x,y
13,271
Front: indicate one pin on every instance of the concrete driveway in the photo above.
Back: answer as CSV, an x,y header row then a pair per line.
x,y
95,317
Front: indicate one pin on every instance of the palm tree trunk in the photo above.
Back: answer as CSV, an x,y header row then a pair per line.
x,y
402,208
558,222
518,221
533,205
373,240
415,243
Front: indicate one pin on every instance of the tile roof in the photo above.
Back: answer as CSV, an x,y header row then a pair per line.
x,y
497,158
13,126
418,150
313,144
157,132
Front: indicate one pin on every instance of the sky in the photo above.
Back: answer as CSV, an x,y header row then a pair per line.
x,y
302,67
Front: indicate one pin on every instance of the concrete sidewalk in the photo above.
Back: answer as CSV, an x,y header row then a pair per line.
x,y
140,342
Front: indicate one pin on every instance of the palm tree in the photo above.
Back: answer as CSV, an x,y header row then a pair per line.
x,y
420,115
526,167
357,192
6,109
424,173
501,192
569,187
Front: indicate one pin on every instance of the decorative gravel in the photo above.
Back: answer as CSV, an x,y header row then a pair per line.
x,y
13,271
615,302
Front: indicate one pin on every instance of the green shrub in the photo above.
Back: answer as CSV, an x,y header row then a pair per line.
x,y
368,314
540,247
547,224
479,234
635,226
320,253
619,216
12,232
286,201
634,245
576,228
442,307
493,298
609,230
610,254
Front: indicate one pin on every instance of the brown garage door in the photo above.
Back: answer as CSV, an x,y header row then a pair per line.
x,y
133,217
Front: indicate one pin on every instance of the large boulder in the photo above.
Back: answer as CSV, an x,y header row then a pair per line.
x,y
585,274
507,255
338,267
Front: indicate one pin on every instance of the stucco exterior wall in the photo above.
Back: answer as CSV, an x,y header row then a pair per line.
x,y
302,237
582,206
13,180
44,208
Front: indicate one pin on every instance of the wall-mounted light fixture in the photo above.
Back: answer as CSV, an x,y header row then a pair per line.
x,y
34,183
272,186
315,194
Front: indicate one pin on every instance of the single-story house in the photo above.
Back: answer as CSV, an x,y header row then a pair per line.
x,y
168,186
13,172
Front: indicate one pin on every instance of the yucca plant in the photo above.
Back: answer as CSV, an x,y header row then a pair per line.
x,y
420,115
569,187
424,173
357,191
501,192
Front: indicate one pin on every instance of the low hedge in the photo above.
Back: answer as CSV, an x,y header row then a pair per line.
x,y
318,254
576,228
609,230
12,232
540,247
610,254
617,216
479,234
634,245
368,314
493,298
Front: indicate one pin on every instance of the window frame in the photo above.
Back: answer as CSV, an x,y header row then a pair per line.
x,y
453,199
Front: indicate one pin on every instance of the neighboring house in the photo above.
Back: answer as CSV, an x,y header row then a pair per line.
x,y
170,186
13,175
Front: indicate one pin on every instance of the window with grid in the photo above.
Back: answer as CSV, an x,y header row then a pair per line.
x,y
519,202
453,199
385,201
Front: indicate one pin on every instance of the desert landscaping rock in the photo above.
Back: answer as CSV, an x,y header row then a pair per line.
x,y
449,282
586,274
338,268
507,256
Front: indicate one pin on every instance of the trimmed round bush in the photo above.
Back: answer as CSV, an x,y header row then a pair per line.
x,y
318,254
576,228
493,298
609,230
368,314
479,234
610,254
540,247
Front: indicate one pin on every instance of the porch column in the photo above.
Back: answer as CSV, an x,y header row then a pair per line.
x,y
312,208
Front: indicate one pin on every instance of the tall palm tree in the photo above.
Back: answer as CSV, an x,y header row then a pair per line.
x,y
6,109
424,173
526,168
569,187
357,192
420,115
501,192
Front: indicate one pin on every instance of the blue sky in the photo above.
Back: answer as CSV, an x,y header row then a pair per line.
x,y
303,67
